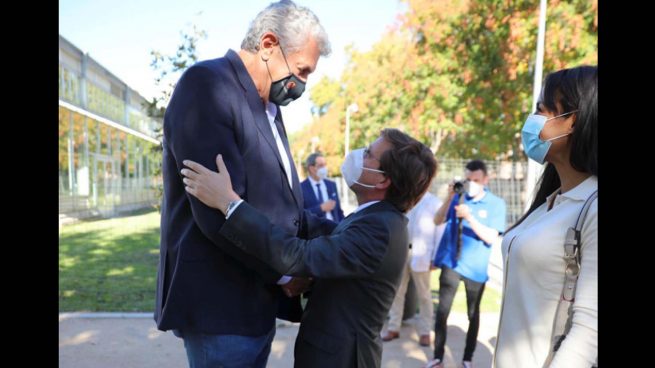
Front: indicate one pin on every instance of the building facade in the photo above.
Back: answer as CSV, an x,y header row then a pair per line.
x,y
108,146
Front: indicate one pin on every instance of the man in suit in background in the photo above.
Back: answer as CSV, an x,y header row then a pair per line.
x,y
320,194
221,301
357,267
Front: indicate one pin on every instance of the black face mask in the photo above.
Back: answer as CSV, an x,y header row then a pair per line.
x,y
286,89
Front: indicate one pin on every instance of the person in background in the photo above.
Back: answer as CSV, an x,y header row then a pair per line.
x,y
475,219
563,132
320,194
424,236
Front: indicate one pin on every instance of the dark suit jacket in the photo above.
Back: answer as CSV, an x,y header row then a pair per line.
x,y
203,283
312,204
358,269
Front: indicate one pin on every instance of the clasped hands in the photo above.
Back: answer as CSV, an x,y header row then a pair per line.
x,y
297,286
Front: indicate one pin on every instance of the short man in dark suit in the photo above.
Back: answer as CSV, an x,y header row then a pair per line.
x,y
222,301
357,267
320,194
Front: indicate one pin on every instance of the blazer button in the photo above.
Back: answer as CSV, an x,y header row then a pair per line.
x,y
296,222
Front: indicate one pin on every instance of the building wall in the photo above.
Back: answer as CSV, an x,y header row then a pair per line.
x,y
108,146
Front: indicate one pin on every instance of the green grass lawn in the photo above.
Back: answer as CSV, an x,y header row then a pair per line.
x,y
490,298
109,265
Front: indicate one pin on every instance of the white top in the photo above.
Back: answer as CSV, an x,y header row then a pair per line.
x,y
324,192
271,111
362,206
424,235
533,254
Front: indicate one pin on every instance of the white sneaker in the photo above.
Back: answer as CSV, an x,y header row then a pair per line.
x,y
435,363
467,364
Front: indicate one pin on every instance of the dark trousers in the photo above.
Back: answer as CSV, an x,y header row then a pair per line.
x,y
448,283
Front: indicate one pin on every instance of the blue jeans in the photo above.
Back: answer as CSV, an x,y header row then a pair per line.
x,y
226,351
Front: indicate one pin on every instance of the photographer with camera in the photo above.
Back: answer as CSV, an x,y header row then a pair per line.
x,y
475,218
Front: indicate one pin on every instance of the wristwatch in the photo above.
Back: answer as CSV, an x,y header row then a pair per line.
x,y
231,205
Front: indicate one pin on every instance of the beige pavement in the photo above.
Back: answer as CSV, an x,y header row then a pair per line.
x,y
136,343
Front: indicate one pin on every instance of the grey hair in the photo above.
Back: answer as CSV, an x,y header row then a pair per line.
x,y
292,24
311,159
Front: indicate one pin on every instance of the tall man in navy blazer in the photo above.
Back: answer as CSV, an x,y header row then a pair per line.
x,y
220,300
320,194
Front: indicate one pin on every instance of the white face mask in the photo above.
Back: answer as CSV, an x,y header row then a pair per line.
x,y
352,167
322,172
474,188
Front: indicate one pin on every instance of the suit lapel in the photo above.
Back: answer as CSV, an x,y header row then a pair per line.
x,y
261,121
254,102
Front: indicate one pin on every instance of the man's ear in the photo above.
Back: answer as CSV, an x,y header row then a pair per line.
x,y
267,45
383,185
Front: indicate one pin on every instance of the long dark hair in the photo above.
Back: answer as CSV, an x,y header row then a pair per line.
x,y
573,89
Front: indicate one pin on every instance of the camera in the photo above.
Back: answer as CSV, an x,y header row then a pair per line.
x,y
461,186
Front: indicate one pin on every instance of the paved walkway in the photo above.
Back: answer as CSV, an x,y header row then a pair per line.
x,y
136,343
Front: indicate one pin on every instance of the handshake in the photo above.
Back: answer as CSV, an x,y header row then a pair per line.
x,y
297,286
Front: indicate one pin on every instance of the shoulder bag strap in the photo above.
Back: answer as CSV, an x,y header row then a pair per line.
x,y
572,257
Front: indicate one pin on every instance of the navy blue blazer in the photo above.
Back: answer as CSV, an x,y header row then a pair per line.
x,y
357,269
312,204
203,284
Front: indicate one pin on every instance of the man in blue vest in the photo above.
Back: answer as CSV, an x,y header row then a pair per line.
x,y
320,194
475,218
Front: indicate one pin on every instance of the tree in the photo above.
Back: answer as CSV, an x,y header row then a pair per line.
x,y
455,74
170,67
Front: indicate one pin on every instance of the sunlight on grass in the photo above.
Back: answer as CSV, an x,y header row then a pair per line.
x,y
100,252
491,299
125,271
67,262
109,265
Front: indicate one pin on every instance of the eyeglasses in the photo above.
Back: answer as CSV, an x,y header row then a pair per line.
x,y
368,154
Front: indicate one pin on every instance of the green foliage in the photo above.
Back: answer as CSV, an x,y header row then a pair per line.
x,y
170,67
325,92
456,75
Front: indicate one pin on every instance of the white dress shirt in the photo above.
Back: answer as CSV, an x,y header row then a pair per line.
x,y
533,253
324,192
424,235
271,111
362,206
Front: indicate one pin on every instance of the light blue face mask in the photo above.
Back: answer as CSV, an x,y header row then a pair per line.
x,y
533,146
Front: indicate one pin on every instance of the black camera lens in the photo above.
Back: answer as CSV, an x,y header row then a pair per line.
x,y
458,187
